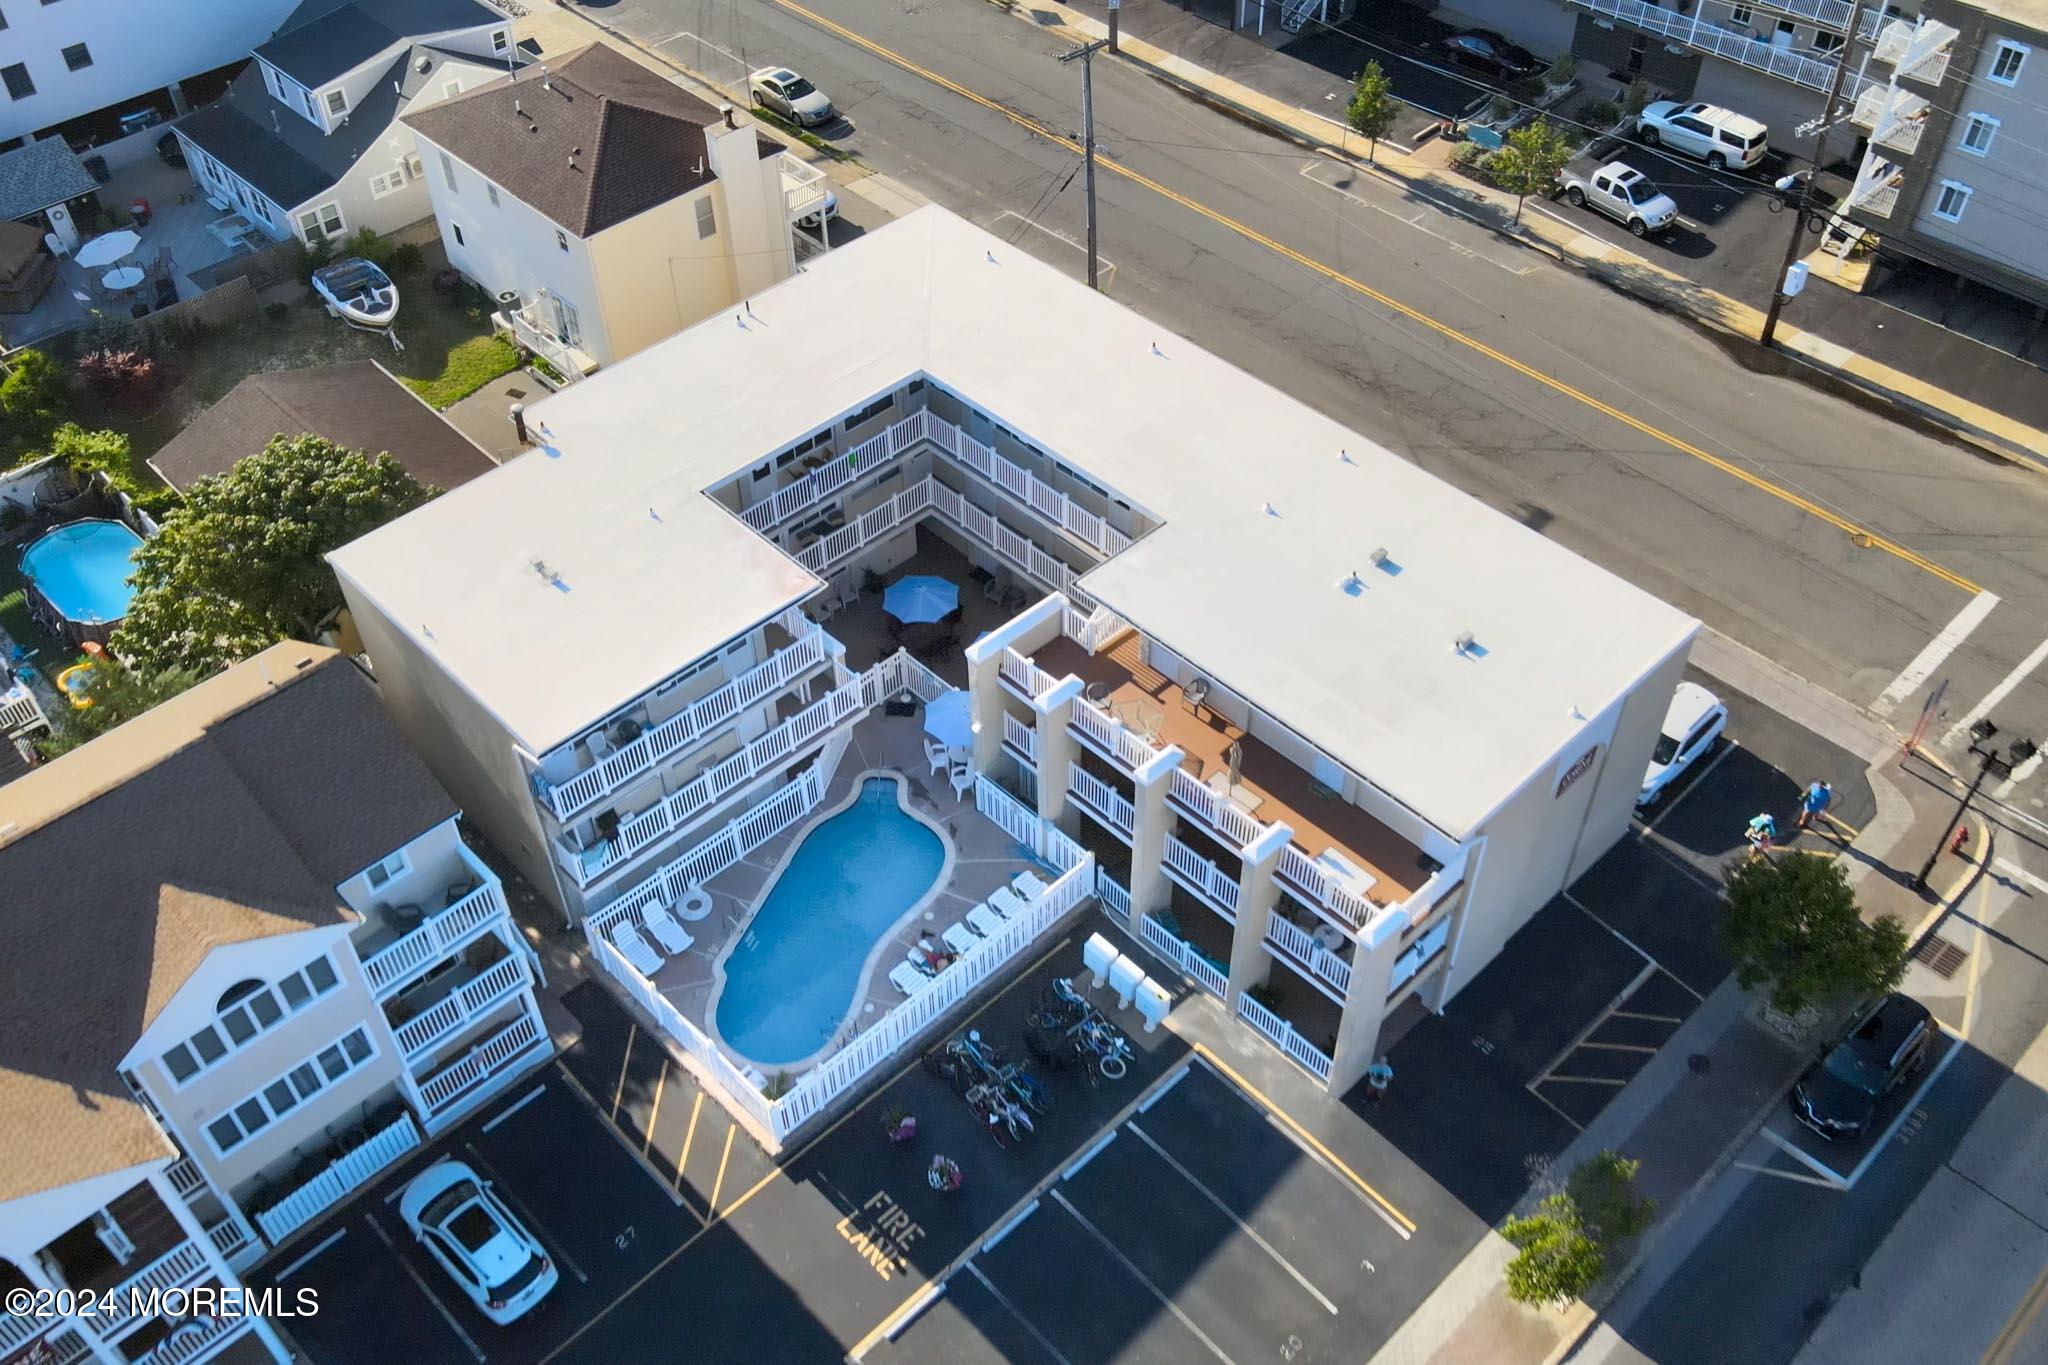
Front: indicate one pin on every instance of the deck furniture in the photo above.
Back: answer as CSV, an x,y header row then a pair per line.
x,y
635,949
938,755
984,921
1006,902
1195,695
1027,885
908,979
673,938
961,776
959,938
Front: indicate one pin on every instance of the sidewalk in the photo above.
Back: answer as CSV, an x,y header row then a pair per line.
x,y
1256,69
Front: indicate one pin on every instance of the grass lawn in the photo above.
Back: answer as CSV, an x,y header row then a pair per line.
x,y
471,365
52,655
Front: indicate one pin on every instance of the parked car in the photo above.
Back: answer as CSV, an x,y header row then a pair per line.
x,y
1692,723
170,150
1624,194
1720,137
821,215
1838,1095
782,91
478,1242
1484,50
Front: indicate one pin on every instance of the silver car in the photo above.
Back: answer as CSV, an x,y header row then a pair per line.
x,y
781,91
498,1263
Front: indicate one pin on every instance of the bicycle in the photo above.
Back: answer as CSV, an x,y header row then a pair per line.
x,y
999,1114
1110,1049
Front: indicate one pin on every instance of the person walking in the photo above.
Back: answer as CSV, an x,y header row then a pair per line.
x,y
1378,1077
1815,803
1763,830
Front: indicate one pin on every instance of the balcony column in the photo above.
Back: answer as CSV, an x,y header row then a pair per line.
x,y
1150,890
985,701
1056,746
1358,1029
1257,894
225,1273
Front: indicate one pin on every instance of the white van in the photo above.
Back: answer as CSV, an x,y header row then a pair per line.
x,y
1720,137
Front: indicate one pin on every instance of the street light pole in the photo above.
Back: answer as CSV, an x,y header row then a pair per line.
x,y
1086,54
1992,761
1805,204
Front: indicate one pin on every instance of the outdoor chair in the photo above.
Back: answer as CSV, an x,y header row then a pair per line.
x,y
908,979
961,775
959,937
1195,694
673,938
984,921
1007,903
992,589
938,755
635,949
1027,885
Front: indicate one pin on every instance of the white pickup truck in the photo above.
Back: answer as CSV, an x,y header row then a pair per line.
x,y
1624,194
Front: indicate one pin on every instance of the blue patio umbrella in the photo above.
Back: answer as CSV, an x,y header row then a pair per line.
x,y
921,597
949,719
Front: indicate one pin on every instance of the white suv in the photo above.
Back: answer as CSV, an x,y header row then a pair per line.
x,y
1718,136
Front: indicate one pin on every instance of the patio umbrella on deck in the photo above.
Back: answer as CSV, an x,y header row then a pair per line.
x,y
949,719
921,597
107,248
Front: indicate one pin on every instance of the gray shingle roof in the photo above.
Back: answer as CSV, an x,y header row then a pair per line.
x,y
43,173
322,39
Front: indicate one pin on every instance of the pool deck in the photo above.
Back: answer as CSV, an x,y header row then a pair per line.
x,y
984,858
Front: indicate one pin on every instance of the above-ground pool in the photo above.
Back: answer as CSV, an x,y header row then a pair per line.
x,y
794,974
81,573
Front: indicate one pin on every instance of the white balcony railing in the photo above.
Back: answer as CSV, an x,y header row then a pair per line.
x,y
1093,631
340,1176
1726,43
1321,888
1219,813
1299,1050
1028,678
1298,944
530,328
185,1178
446,1087
181,1265
1419,954
1183,955
230,1238
1895,117
468,1002
1114,897
447,931
1112,738
1020,737
1917,51
1103,800
1876,190
197,1337
1202,877
803,186
686,727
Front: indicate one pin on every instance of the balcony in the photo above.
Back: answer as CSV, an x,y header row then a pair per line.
x,y
1313,952
1916,51
450,1085
533,326
401,939
489,973
1103,801
1729,44
389,1140
1209,969
1895,118
1100,726
803,186
578,775
1021,739
1876,191
1285,1036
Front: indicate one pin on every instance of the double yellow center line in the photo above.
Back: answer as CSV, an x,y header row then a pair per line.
x,y
1862,536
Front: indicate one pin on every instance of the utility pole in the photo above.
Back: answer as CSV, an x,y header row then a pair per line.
x,y
1993,762
1086,54
1805,204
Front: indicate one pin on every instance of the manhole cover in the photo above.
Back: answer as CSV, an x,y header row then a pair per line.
x,y
1939,956
1700,1063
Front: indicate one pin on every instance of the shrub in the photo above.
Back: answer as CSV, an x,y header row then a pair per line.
x,y
1562,69
369,244
13,516
1467,157
1635,97
87,453
1526,89
448,282
276,311
159,502
406,258
1601,114
33,395
123,378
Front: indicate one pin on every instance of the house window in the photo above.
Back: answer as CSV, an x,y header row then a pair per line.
x,y
378,875
1953,199
312,112
1741,14
448,171
244,1011
1978,135
561,239
323,222
451,90
707,221
491,193
19,86
2005,67
337,102
500,40
290,1090
456,228
1823,41
76,57
568,327
388,182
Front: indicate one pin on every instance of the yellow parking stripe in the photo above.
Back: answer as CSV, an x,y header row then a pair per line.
x,y
719,1183
1859,535
660,1083
625,1062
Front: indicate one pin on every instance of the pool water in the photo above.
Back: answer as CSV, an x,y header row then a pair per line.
x,y
791,980
83,569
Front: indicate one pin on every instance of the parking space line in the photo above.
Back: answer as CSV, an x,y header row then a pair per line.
x,y
1730,747
660,1084
661,1181
689,1139
1556,1076
1649,968
519,1207
1577,1127
1399,1221
1584,910
719,1183
509,1110
1670,1019
296,1266
425,1288
1681,864
1955,1045
1755,1169
1831,1177
1113,1249
1243,1226
1621,1047
1026,1323
625,1063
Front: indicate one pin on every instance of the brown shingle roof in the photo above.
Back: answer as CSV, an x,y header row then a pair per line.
x,y
595,141
356,405
227,814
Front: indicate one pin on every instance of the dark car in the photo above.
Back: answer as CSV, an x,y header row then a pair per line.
x,y
171,150
1839,1094
1484,50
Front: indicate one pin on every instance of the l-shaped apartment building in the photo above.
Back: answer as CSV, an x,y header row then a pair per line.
x,y
1315,714
250,964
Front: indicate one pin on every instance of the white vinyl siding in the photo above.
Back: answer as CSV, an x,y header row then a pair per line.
x,y
1979,133
279,1097
1951,200
247,1018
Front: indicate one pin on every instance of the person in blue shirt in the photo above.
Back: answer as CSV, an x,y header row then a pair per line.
x,y
1815,803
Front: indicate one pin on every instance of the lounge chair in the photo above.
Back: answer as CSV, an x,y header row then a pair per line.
x,y
959,938
984,921
908,979
1007,903
1028,885
673,938
627,939
915,960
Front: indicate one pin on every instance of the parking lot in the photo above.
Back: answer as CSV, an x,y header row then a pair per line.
x,y
1198,1228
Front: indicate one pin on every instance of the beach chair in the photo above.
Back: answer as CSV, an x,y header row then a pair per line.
x,y
984,921
959,938
908,979
668,932
1027,885
627,939
1007,903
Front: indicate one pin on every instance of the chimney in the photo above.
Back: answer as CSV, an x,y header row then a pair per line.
x,y
725,110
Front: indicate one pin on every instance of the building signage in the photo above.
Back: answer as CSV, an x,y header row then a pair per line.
x,y
1577,770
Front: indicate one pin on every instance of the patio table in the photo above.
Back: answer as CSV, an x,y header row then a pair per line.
x,y
122,278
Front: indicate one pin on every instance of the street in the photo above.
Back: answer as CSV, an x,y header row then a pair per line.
x,y
1624,434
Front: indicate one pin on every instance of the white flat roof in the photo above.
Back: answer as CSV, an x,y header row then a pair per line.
x,y
1368,674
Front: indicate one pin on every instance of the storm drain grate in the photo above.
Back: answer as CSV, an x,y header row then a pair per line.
x,y
1939,956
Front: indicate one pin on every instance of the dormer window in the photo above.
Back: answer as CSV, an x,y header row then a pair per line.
x,y
337,102
500,40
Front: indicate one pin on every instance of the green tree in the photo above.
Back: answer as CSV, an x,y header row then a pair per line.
x,y
1529,162
1791,923
94,452
1373,107
239,565
1562,1248
33,396
117,694
1604,1192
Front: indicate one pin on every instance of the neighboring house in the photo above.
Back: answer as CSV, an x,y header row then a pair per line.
x,y
614,654
618,208
359,406
22,723
61,61
307,141
251,962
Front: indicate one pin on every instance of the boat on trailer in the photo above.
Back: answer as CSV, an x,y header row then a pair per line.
x,y
359,293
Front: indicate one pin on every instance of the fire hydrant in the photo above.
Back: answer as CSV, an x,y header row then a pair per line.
x,y
1955,845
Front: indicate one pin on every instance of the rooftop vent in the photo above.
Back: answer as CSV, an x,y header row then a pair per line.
x,y
424,64
1378,556
1463,644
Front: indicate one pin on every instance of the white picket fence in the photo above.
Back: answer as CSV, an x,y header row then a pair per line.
x,y
737,1090
328,1188
1321,888
1009,814
1309,1057
1111,737
1181,954
1114,898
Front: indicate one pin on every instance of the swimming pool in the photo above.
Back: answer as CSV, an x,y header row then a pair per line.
x,y
81,571
795,972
